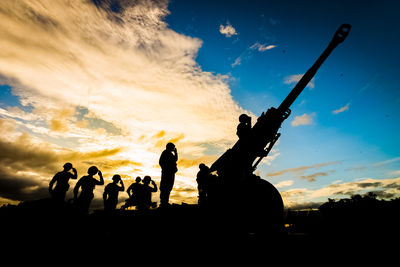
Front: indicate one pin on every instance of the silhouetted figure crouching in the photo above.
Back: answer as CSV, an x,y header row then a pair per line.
x,y
167,161
135,193
110,195
61,180
87,183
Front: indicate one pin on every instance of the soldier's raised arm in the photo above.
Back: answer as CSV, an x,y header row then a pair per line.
x,y
122,188
75,174
101,182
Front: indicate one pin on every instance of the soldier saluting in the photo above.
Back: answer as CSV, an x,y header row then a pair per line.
x,y
61,179
87,183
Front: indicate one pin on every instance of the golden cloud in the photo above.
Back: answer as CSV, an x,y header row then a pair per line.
x,y
127,69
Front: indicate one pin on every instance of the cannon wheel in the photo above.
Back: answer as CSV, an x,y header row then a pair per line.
x,y
262,207
254,206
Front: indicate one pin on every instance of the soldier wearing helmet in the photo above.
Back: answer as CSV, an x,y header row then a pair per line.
x,y
61,180
110,195
87,184
244,127
167,161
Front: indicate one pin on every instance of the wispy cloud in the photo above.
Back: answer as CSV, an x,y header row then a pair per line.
x,y
291,79
313,177
342,109
237,62
262,47
249,52
302,169
378,164
304,119
227,30
285,183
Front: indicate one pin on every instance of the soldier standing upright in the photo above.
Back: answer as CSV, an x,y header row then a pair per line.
x,y
202,179
167,161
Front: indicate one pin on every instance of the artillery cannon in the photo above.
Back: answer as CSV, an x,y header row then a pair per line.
x,y
257,203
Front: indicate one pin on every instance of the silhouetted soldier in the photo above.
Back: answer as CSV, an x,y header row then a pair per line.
x,y
244,127
61,179
167,161
135,188
145,202
243,132
110,195
87,183
134,192
203,177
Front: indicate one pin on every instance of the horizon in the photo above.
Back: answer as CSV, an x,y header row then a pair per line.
x,y
110,83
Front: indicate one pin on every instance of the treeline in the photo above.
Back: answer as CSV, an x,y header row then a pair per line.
x,y
357,215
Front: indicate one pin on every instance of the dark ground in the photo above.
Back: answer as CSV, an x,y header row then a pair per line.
x,y
337,230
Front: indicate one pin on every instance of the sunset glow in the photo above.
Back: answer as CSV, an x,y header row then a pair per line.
x,y
110,83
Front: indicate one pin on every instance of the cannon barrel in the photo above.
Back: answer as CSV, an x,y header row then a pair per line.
x,y
339,37
255,203
264,132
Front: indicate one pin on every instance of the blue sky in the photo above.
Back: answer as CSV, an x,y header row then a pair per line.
x,y
361,73
249,70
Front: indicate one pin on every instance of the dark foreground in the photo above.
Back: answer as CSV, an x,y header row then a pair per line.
x,y
182,230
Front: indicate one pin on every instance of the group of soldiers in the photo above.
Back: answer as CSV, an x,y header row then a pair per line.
x,y
139,192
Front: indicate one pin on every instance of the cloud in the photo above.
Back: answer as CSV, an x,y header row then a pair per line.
x,y
351,188
285,183
96,78
302,169
237,62
28,164
291,79
187,163
304,119
248,53
261,47
342,109
312,177
227,30
378,164
383,188
20,185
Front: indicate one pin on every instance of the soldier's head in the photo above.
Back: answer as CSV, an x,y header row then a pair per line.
x,y
244,118
116,178
92,170
67,166
203,167
170,146
138,179
146,180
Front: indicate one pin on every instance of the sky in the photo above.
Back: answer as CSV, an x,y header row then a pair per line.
x,y
109,83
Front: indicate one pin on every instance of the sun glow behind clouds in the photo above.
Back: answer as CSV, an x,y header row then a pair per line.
x,y
127,69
